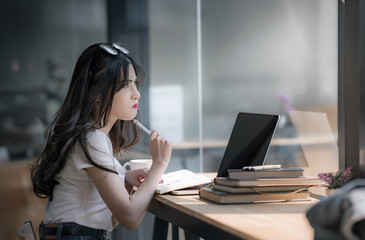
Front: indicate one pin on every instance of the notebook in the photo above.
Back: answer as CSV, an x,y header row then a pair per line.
x,y
249,142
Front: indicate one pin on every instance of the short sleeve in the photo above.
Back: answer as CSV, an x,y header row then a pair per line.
x,y
100,150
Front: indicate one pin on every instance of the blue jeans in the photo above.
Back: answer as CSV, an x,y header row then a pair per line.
x,y
69,231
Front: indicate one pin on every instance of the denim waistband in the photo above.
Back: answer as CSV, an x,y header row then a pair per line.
x,y
58,230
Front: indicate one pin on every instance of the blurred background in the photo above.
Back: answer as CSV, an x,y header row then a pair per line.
x,y
205,61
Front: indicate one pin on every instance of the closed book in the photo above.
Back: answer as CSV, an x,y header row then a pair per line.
x,y
260,182
289,188
265,173
221,197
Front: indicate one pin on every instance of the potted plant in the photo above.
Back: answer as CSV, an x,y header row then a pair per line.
x,y
337,180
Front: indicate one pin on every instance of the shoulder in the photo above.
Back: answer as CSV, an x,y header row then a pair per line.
x,y
98,140
99,148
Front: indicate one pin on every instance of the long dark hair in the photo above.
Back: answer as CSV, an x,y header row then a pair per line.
x,y
97,76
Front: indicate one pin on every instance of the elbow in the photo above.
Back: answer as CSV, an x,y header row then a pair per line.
x,y
132,226
129,221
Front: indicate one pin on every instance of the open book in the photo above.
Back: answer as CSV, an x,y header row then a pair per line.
x,y
181,179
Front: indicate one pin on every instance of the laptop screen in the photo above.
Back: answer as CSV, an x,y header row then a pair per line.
x,y
249,142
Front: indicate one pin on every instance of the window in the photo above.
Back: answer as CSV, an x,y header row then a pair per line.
x,y
41,42
213,59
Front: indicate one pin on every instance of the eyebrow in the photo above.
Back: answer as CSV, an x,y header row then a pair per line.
x,y
130,80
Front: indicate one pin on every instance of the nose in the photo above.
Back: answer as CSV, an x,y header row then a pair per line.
x,y
135,94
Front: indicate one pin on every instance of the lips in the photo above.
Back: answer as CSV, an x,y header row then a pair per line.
x,y
135,106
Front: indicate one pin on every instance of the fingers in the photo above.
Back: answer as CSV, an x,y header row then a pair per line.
x,y
142,172
154,134
158,139
137,176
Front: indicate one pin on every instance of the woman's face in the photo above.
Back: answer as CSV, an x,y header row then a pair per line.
x,y
125,101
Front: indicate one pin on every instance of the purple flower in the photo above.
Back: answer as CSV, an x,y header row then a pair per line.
x,y
337,180
327,177
346,174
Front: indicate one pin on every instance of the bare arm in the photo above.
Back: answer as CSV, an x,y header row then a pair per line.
x,y
129,210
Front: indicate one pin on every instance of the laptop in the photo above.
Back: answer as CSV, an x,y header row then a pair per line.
x,y
314,130
249,142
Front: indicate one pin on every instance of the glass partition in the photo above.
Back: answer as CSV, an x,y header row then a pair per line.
x,y
267,57
224,57
174,96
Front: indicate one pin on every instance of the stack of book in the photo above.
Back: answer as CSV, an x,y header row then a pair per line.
x,y
265,185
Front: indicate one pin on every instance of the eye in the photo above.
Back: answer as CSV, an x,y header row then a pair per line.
x,y
124,84
135,82
127,82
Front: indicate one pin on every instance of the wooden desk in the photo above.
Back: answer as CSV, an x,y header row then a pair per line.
x,y
272,221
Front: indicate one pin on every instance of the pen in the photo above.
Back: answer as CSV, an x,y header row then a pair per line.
x,y
263,167
142,127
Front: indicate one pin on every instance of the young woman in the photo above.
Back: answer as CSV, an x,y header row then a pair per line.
x,y
88,190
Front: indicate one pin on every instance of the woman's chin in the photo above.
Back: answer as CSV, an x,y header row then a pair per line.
x,y
128,118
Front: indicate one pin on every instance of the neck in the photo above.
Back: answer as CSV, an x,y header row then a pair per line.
x,y
106,129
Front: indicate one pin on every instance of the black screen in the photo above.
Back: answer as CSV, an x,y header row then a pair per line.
x,y
249,142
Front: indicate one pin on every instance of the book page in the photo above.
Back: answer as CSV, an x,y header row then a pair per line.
x,y
181,179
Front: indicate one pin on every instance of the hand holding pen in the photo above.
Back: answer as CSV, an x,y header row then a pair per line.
x,y
160,148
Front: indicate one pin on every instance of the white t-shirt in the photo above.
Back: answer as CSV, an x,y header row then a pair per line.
x,y
75,198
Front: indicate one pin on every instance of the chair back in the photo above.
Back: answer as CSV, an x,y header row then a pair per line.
x,y
26,232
